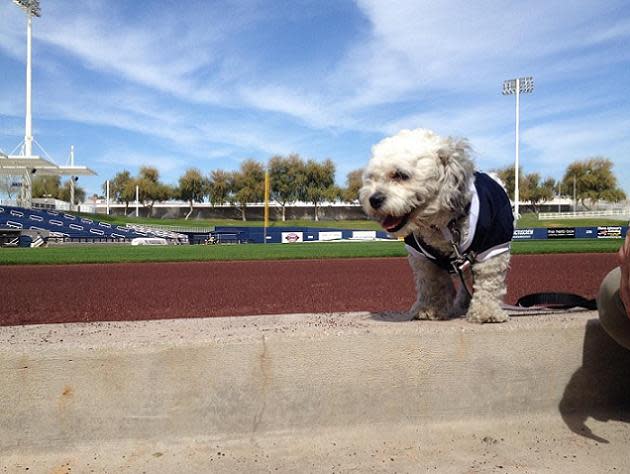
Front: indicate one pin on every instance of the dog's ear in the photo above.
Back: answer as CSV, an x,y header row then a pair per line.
x,y
457,170
444,155
457,149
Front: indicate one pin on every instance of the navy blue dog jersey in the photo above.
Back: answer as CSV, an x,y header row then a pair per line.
x,y
490,220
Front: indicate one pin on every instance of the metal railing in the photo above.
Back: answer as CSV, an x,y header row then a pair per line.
x,y
614,213
170,228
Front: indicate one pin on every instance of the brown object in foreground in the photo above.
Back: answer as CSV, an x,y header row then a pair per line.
x,y
113,292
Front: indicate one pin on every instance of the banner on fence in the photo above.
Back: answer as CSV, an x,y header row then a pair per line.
x,y
364,234
330,235
561,233
292,237
609,232
523,234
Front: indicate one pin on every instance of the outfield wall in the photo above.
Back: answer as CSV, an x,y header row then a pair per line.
x,y
553,233
287,235
313,234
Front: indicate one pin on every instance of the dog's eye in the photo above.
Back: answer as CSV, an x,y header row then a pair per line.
x,y
400,176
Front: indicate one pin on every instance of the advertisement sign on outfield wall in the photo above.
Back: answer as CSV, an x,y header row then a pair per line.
x,y
609,232
523,234
530,233
292,237
364,234
330,235
561,233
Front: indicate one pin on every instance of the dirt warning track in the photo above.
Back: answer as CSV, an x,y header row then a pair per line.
x,y
79,293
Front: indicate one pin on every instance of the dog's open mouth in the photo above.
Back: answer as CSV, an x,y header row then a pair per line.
x,y
395,223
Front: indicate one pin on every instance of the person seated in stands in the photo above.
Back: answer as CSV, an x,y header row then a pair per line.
x,y
613,301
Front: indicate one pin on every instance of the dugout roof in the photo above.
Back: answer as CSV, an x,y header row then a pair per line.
x,y
17,165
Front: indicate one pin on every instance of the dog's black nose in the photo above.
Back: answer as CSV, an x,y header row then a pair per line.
x,y
377,199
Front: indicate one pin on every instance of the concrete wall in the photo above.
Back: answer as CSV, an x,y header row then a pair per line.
x,y
66,384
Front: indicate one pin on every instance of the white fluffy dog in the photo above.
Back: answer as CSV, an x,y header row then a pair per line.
x,y
424,188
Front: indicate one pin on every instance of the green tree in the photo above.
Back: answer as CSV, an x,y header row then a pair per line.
x,y
506,175
65,192
249,185
221,185
151,189
354,181
594,180
286,176
122,188
536,192
193,187
531,188
46,187
319,184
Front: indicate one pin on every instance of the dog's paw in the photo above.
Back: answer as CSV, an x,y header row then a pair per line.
x,y
428,314
489,313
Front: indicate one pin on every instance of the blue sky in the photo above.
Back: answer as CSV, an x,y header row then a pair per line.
x,y
208,84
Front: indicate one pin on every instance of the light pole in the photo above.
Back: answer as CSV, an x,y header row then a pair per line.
x,y
266,212
31,7
72,178
517,86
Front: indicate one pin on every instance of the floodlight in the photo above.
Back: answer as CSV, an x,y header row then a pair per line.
x,y
522,85
509,87
525,85
29,6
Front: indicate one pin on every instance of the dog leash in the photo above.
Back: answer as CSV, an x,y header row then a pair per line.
x,y
556,301
461,264
456,263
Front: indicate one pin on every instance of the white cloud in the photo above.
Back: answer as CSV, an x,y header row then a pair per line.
x,y
184,77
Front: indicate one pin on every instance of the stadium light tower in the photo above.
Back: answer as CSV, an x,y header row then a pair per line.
x,y
31,7
518,86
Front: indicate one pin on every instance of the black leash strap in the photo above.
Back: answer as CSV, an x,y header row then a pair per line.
x,y
556,301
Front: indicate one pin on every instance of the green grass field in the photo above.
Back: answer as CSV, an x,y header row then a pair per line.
x,y
88,253
177,253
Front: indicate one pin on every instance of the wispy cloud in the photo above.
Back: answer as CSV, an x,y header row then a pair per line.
x,y
132,160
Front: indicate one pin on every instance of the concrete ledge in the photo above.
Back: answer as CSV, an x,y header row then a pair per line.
x,y
65,386
516,445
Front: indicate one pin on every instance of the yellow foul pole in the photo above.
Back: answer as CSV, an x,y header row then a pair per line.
x,y
267,186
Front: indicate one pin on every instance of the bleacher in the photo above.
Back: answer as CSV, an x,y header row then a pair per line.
x,y
171,236
66,227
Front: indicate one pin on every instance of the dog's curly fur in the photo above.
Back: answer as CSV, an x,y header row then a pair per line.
x,y
417,183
